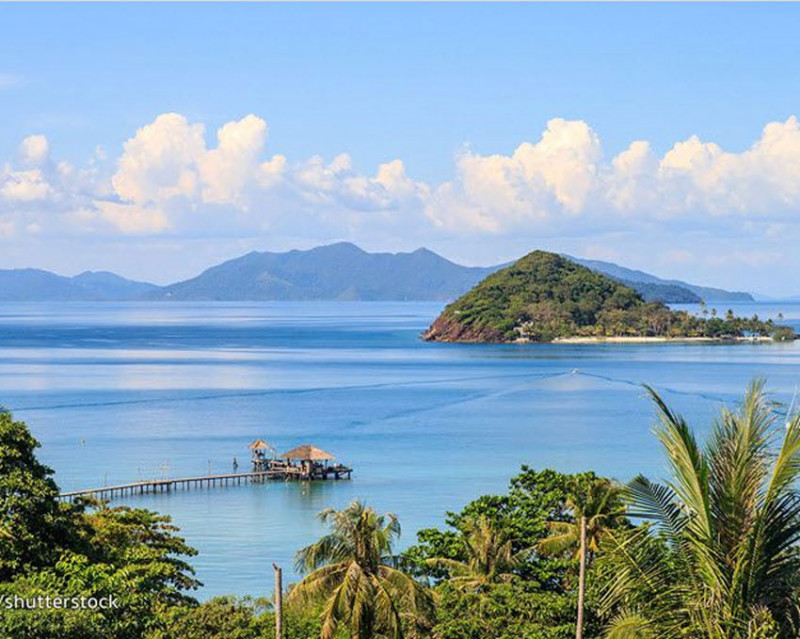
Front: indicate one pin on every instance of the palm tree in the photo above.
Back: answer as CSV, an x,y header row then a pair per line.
x,y
489,559
725,562
350,573
597,508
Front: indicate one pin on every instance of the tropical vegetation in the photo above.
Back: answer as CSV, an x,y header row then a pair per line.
x,y
598,510
721,558
712,553
544,296
350,574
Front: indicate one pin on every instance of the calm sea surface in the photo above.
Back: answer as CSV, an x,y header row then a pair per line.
x,y
121,392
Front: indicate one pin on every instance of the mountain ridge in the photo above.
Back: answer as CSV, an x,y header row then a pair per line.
x,y
339,271
624,275
39,285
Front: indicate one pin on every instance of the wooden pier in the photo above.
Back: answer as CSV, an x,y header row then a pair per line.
x,y
305,462
205,481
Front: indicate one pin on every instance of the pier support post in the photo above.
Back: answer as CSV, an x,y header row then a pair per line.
x,y
278,602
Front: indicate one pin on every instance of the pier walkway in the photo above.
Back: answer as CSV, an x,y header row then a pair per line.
x,y
207,481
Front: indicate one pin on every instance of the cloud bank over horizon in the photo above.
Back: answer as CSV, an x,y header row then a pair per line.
x,y
175,180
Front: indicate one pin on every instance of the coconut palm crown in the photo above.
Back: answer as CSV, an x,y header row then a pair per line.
x,y
489,557
600,501
724,563
350,573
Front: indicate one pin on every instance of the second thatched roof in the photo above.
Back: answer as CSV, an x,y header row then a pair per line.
x,y
307,453
260,444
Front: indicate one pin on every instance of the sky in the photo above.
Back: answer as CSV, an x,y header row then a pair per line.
x,y
155,140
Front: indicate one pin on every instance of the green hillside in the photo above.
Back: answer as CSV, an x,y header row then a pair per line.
x,y
544,296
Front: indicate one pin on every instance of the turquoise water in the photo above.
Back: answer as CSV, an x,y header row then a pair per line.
x,y
121,392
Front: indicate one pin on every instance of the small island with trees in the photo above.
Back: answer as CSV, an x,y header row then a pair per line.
x,y
545,297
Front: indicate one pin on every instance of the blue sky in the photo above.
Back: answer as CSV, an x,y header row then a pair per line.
x,y
450,91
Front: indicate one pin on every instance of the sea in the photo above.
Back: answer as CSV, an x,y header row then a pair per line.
x,y
120,392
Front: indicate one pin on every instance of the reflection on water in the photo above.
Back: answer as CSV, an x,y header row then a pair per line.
x,y
120,392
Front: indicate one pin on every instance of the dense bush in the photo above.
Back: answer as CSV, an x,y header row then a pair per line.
x,y
48,548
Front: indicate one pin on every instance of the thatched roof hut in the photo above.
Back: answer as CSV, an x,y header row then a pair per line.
x,y
308,452
260,444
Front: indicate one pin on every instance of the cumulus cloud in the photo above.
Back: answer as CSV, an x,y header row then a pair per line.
x,y
175,177
167,172
37,193
25,186
563,177
34,150
226,170
160,161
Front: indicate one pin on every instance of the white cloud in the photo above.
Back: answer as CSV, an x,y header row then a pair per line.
x,y
556,175
160,161
38,195
228,169
761,180
173,178
564,177
24,186
132,219
168,176
34,150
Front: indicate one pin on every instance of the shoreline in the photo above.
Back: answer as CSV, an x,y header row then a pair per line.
x,y
657,340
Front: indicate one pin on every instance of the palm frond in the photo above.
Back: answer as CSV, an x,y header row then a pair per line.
x,y
318,585
730,517
349,569
630,625
652,501
689,468
560,544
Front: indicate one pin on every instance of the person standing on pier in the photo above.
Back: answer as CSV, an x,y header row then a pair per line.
x,y
235,465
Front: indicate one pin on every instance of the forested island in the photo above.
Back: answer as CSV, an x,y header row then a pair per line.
x,y
545,297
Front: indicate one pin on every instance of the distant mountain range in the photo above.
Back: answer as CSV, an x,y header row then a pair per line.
x,y
35,285
340,271
335,272
650,286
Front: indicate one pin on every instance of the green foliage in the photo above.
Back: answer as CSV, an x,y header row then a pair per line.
x,y
515,610
544,296
35,527
600,501
726,561
132,556
519,593
783,334
235,618
351,574
220,618
534,500
74,575
762,625
85,551
146,544
490,557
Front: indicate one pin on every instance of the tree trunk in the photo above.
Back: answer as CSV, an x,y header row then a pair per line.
x,y
581,579
278,602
